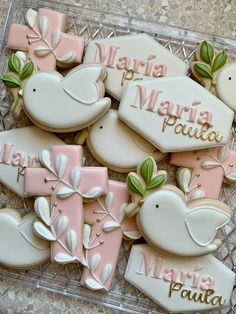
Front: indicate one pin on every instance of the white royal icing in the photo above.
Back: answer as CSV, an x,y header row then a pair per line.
x,y
191,227
132,57
67,103
19,148
175,114
180,284
19,246
225,85
116,145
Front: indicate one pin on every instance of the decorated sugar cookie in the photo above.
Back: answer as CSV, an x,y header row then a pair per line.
x,y
20,247
116,145
175,114
132,57
225,85
202,172
20,69
105,226
176,270
45,40
19,149
65,104
180,284
62,184
191,226
212,71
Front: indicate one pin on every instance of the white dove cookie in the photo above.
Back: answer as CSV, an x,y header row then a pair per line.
x,y
192,227
212,71
225,85
115,145
66,104
20,247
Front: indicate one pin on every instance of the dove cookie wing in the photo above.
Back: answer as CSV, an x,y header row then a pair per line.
x,y
66,104
20,247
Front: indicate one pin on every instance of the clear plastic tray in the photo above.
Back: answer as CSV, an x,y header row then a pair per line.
x,y
94,24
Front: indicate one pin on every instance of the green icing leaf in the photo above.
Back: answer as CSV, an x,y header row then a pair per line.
x,y
206,52
203,70
134,185
219,61
27,70
146,169
14,63
11,81
156,182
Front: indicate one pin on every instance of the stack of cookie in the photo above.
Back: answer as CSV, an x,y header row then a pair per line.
x,y
80,215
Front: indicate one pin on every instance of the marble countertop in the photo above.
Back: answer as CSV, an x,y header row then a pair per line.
x,y
212,16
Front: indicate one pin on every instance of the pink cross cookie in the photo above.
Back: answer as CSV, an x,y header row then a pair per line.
x,y
45,41
209,168
105,226
67,182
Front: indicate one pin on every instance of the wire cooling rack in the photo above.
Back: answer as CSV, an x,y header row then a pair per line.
x,y
91,24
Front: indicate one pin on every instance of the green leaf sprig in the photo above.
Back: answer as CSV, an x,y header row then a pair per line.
x,y
210,61
142,182
18,73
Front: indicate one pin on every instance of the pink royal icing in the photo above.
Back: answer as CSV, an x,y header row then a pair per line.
x,y
66,181
103,239
209,169
44,39
108,58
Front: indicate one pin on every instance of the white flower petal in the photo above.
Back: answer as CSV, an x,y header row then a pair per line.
x,y
71,241
43,26
61,162
95,192
42,231
61,226
63,258
110,225
94,262
30,17
65,192
106,272
41,207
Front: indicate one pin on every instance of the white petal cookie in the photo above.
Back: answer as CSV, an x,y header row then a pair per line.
x,y
65,104
20,247
132,57
116,145
167,221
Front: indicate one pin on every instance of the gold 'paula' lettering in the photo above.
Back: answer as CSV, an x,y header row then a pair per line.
x,y
206,297
129,75
202,133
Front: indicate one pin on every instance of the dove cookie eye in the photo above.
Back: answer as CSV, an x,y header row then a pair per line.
x,y
230,78
34,89
101,127
157,206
